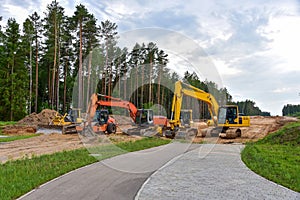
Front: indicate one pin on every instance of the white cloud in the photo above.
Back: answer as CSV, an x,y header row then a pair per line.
x,y
254,44
18,12
224,69
282,90
284,32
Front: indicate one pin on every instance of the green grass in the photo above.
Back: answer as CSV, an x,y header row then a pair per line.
x,y
2,124
18,137
21,176
145,143
7,123
277,156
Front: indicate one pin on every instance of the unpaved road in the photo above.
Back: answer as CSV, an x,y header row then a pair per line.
x,y
44,144
47,144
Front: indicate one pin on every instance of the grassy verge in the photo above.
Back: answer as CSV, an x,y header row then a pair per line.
x,y
2,124
277,156
7,123
21,176
18,137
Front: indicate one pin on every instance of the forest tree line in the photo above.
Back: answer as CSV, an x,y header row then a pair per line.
x,y
291,110
54,53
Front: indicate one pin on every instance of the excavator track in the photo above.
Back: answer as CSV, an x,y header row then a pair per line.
x,y
65,129
230,133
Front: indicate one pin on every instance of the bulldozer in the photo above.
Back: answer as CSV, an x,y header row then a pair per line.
x,y
68,123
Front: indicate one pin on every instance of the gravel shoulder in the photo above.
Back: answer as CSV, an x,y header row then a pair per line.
x,y
213,171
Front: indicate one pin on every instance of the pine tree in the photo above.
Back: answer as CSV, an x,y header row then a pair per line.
x,y
151,50
53,25
80,20
66,59
161,70
35,18
27,39
108,32
13,85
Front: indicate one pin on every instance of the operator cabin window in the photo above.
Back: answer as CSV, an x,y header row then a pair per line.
x,y
222,116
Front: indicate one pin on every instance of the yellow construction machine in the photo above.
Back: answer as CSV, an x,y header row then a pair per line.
x,y
225,119
68,123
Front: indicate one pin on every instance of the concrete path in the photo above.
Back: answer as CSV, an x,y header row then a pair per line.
x,y
119,177
211,172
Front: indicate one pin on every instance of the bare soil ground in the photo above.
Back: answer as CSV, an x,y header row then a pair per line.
x,y
50,143
259,128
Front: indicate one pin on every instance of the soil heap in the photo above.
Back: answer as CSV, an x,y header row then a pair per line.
x,y
29,123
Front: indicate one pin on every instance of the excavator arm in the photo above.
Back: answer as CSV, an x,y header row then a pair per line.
x,y
188,90
111,102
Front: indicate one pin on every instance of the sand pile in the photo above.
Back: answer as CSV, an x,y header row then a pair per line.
x,y
29,123
43,118
19,130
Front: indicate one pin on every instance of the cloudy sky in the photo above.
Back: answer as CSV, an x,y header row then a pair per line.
x,y
253,45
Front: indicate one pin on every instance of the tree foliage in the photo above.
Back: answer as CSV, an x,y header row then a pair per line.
x,y
248,108
58,61
291,110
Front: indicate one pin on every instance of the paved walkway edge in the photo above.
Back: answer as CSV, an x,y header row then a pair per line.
x,y
55,179
157,171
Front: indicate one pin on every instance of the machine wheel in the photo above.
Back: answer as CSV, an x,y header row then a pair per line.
x,y
111,128
170,134
238,132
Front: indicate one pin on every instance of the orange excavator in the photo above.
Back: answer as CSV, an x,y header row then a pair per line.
x,y
143,118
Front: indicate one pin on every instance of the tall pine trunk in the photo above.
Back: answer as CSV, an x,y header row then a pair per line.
x,y
54,65
36,73
57,75
30,77
158,89
89,78
150,80
142,85
80,67
136,92
65,86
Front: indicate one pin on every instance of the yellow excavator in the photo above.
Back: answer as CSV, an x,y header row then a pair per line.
x,y
225,119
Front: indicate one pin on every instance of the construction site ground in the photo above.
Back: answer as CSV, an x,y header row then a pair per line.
x,y
54,142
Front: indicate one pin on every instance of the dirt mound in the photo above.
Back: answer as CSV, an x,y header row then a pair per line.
x,y
28,124
19,130
43,118
260,127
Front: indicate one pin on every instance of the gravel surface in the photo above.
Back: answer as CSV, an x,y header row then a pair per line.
x,y
213,171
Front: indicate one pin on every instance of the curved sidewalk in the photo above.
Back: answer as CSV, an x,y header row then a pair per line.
x,y
119,177
211,172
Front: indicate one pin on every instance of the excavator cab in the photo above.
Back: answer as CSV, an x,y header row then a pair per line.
x,y
103,116
144,116
74,115
186,118
228,115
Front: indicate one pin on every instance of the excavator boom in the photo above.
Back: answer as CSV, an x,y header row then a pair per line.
x,y
116,102
224,117
193,92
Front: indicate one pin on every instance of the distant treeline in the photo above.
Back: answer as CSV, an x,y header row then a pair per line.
x,y
57,61
248,108
222,95
291,110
